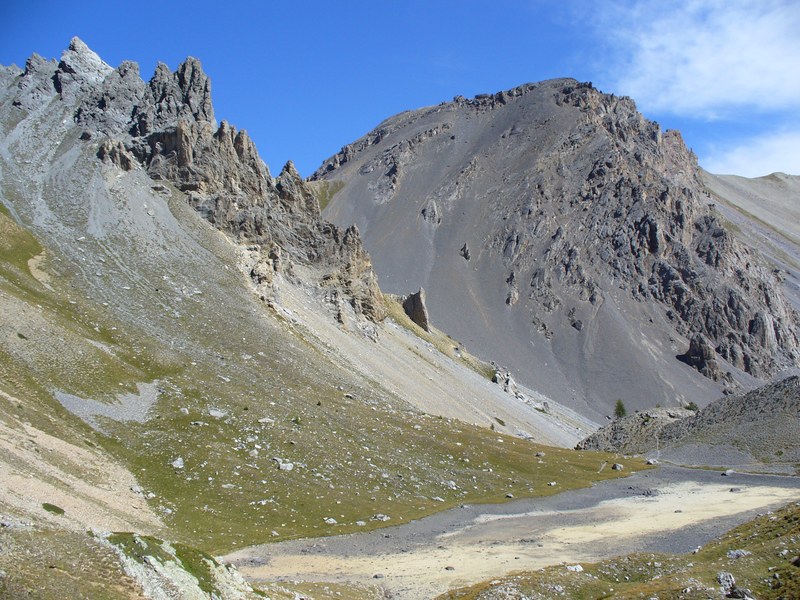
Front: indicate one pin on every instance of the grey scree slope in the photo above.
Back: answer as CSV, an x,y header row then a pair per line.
x,y
557,231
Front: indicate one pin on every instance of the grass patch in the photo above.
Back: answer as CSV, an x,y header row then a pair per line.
x,y
232,491
52,508
17,247
325,191
198,564
55,564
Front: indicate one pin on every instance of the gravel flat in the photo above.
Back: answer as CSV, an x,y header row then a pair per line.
x,y
669,509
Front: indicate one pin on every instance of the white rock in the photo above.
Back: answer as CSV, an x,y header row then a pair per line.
x,y
575,568
177,463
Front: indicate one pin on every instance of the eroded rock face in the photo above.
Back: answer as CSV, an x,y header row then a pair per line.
x,y
167,127
702,357
575,214
414,306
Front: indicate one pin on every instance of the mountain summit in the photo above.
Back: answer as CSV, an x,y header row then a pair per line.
x,y
167,128
557,230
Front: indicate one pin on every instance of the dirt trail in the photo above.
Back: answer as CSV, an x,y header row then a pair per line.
x,y
670,510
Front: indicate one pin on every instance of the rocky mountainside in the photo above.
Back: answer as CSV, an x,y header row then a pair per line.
x,y
765,214
190,353
558,231
760,427
166,127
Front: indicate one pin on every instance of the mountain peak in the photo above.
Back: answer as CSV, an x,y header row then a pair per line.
x,y
79,69
584,222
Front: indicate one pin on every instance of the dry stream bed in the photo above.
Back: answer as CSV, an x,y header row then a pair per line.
x,y
670,509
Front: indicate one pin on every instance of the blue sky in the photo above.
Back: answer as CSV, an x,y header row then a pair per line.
x,y
305,78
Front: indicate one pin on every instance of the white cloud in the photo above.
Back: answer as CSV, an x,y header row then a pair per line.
x,y
757,156
707,58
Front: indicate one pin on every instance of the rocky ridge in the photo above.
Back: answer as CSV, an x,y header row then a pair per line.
x,y
566,209
760,426
167,128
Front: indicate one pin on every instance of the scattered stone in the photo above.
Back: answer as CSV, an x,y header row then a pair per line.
x,y
734,554
217,413
509,495
449,568
184,411
728,472
266,421
575,568
726,580
652,461
177,463
361,523
506,381
552,483
617,467
735,490
285,466
795,562
464,251
378,576
381,517
330,521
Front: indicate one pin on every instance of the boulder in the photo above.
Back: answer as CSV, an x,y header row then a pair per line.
x,y
414,306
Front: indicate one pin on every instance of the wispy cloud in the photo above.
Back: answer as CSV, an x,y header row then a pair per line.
x,y
708,58
757,156
730,65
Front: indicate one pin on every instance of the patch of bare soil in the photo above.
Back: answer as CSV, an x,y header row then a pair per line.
x,y
93,491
